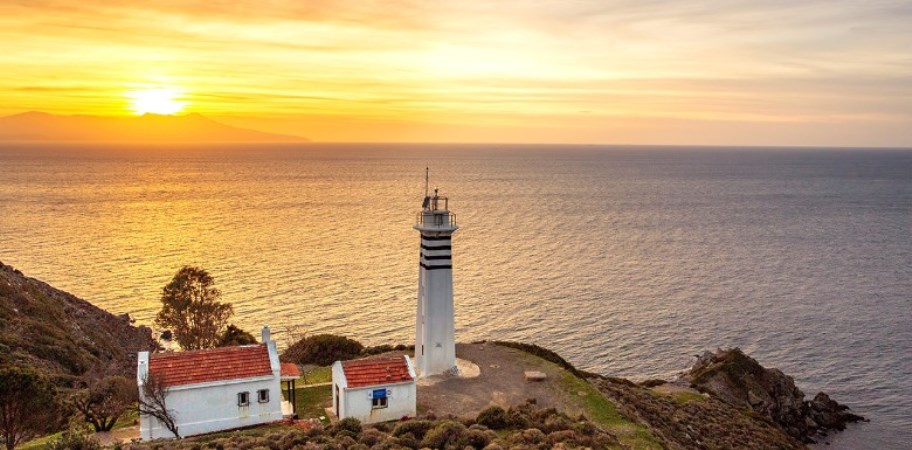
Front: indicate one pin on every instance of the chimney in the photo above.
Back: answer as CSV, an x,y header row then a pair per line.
x,y
266,336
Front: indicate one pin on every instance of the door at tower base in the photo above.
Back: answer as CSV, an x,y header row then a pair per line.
x,y
374,390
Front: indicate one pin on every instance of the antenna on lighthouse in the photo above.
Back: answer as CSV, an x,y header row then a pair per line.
x,y
427,176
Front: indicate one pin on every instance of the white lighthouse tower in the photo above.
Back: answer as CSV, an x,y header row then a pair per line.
x,y
435,344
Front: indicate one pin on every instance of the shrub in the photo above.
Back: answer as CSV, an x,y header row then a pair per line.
x,y
517,419
447,433
417,428
372,437
75,439
377,349
349,424
322,350
565,436
407,440
530,436
556,422
478,438
493,417
345,441
234,336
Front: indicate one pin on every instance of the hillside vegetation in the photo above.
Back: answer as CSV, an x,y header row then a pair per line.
x,y
60,334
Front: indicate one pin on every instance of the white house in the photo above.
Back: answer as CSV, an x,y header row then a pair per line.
x,y
215,389
374,390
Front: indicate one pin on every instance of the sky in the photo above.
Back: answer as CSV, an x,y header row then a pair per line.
x,y
731,72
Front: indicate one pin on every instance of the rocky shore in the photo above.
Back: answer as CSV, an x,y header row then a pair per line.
x,y
726,400
740,381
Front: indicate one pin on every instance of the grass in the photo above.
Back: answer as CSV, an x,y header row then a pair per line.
x,y
604,413
686,396
256,430
317,376
312,401
40,443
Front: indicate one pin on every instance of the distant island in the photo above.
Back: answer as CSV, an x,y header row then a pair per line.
x,y
40,126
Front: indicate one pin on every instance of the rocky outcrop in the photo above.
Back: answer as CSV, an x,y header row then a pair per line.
x,y
740,381
694,422
62,335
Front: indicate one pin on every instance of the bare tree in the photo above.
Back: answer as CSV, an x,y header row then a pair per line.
x,y
191,309
153,403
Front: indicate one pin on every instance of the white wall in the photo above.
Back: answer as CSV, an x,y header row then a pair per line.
x,y
401,401
338,385
209,407
436,330
356,402
213,406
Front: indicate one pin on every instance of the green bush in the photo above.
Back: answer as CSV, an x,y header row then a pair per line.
x,y
478,438
493,417
234,336
349,424
75,439
446,434
417,428
322,350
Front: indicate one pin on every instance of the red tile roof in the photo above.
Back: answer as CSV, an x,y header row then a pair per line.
x,y
370,372
290,370
201,366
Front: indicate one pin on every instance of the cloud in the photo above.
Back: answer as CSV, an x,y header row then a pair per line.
x,y
721,61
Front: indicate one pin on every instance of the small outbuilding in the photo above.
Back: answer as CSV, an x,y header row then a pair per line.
x,y
374,390
215,389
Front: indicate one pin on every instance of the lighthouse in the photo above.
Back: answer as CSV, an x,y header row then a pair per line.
x,y
435,344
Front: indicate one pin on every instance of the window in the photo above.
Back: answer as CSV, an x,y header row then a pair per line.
x,y
378,398
263,396
378,403
243,398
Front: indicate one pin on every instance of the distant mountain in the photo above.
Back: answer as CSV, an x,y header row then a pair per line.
x,y
40,126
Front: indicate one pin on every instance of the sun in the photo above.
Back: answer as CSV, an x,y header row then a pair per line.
x,y
156,101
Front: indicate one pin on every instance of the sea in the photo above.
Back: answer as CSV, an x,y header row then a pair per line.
x,y
628,261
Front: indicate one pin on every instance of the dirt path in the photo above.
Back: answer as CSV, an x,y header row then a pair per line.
x,y
119,436
501,382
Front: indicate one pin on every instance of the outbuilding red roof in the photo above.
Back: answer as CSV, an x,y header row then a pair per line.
x,y
201,366
290,371
371,372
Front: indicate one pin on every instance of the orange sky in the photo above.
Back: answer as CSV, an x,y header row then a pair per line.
x,y
774,72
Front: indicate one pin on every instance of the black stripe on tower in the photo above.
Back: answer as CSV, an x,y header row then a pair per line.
x,y
442,247
427,267
431,258
435,238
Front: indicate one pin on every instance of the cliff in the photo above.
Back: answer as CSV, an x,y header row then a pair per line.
x,y
60,334
740,381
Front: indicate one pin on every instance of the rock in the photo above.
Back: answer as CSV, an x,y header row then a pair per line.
x,y
534,375
742,382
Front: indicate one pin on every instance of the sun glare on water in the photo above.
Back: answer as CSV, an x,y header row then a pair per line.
x,y
156,101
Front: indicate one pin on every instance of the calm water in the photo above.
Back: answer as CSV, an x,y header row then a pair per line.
x,y
625,260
